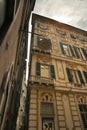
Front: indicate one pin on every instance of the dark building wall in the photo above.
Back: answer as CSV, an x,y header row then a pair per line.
x,y
10,40
13,51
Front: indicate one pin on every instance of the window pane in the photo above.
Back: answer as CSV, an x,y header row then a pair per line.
x,y
83,111
81,107
47,108
52,70
37,68
85,108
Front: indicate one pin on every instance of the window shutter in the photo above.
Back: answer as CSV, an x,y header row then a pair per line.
x,y
80,76
38,40
69,75
72,52
62,49
38,69
52,71
85,75
50,45
76,52
84,52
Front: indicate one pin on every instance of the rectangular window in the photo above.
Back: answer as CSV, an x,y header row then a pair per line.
x,y
38,73
47,108
83,112
52,71
43,70
65,49
74,76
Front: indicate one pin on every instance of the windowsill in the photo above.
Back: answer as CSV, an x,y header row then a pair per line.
x,y
70,58
76,85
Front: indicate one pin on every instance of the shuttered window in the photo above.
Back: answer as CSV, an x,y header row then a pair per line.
x,y
84,52
52,70
76,52
71,49
62,49
69,75
80,76
85,75
38,69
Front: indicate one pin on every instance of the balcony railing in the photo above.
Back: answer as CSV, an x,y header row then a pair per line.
x,y
37,49
41,80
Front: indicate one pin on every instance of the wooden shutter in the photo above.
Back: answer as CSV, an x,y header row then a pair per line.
x,y
38,69
76,52
72,52
62,49
52,70
80,76
84,52
50,45
85,75
69,75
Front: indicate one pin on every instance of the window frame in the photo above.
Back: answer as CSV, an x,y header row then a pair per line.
x,y
83,113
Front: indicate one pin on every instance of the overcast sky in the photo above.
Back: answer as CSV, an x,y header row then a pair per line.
x,y
72,12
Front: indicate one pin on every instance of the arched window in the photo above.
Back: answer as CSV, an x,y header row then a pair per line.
x,y
47,111
83,110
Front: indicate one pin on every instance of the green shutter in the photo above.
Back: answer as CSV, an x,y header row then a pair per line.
x,y
76,52
72,52
85,75
84,52
69,75
62,49
80,76
38,41
38,69
52,71
50,45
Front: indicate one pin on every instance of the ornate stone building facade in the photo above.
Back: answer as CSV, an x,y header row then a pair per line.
x,y
58,76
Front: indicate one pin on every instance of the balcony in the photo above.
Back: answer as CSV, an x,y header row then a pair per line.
x,y
41,80
37,49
